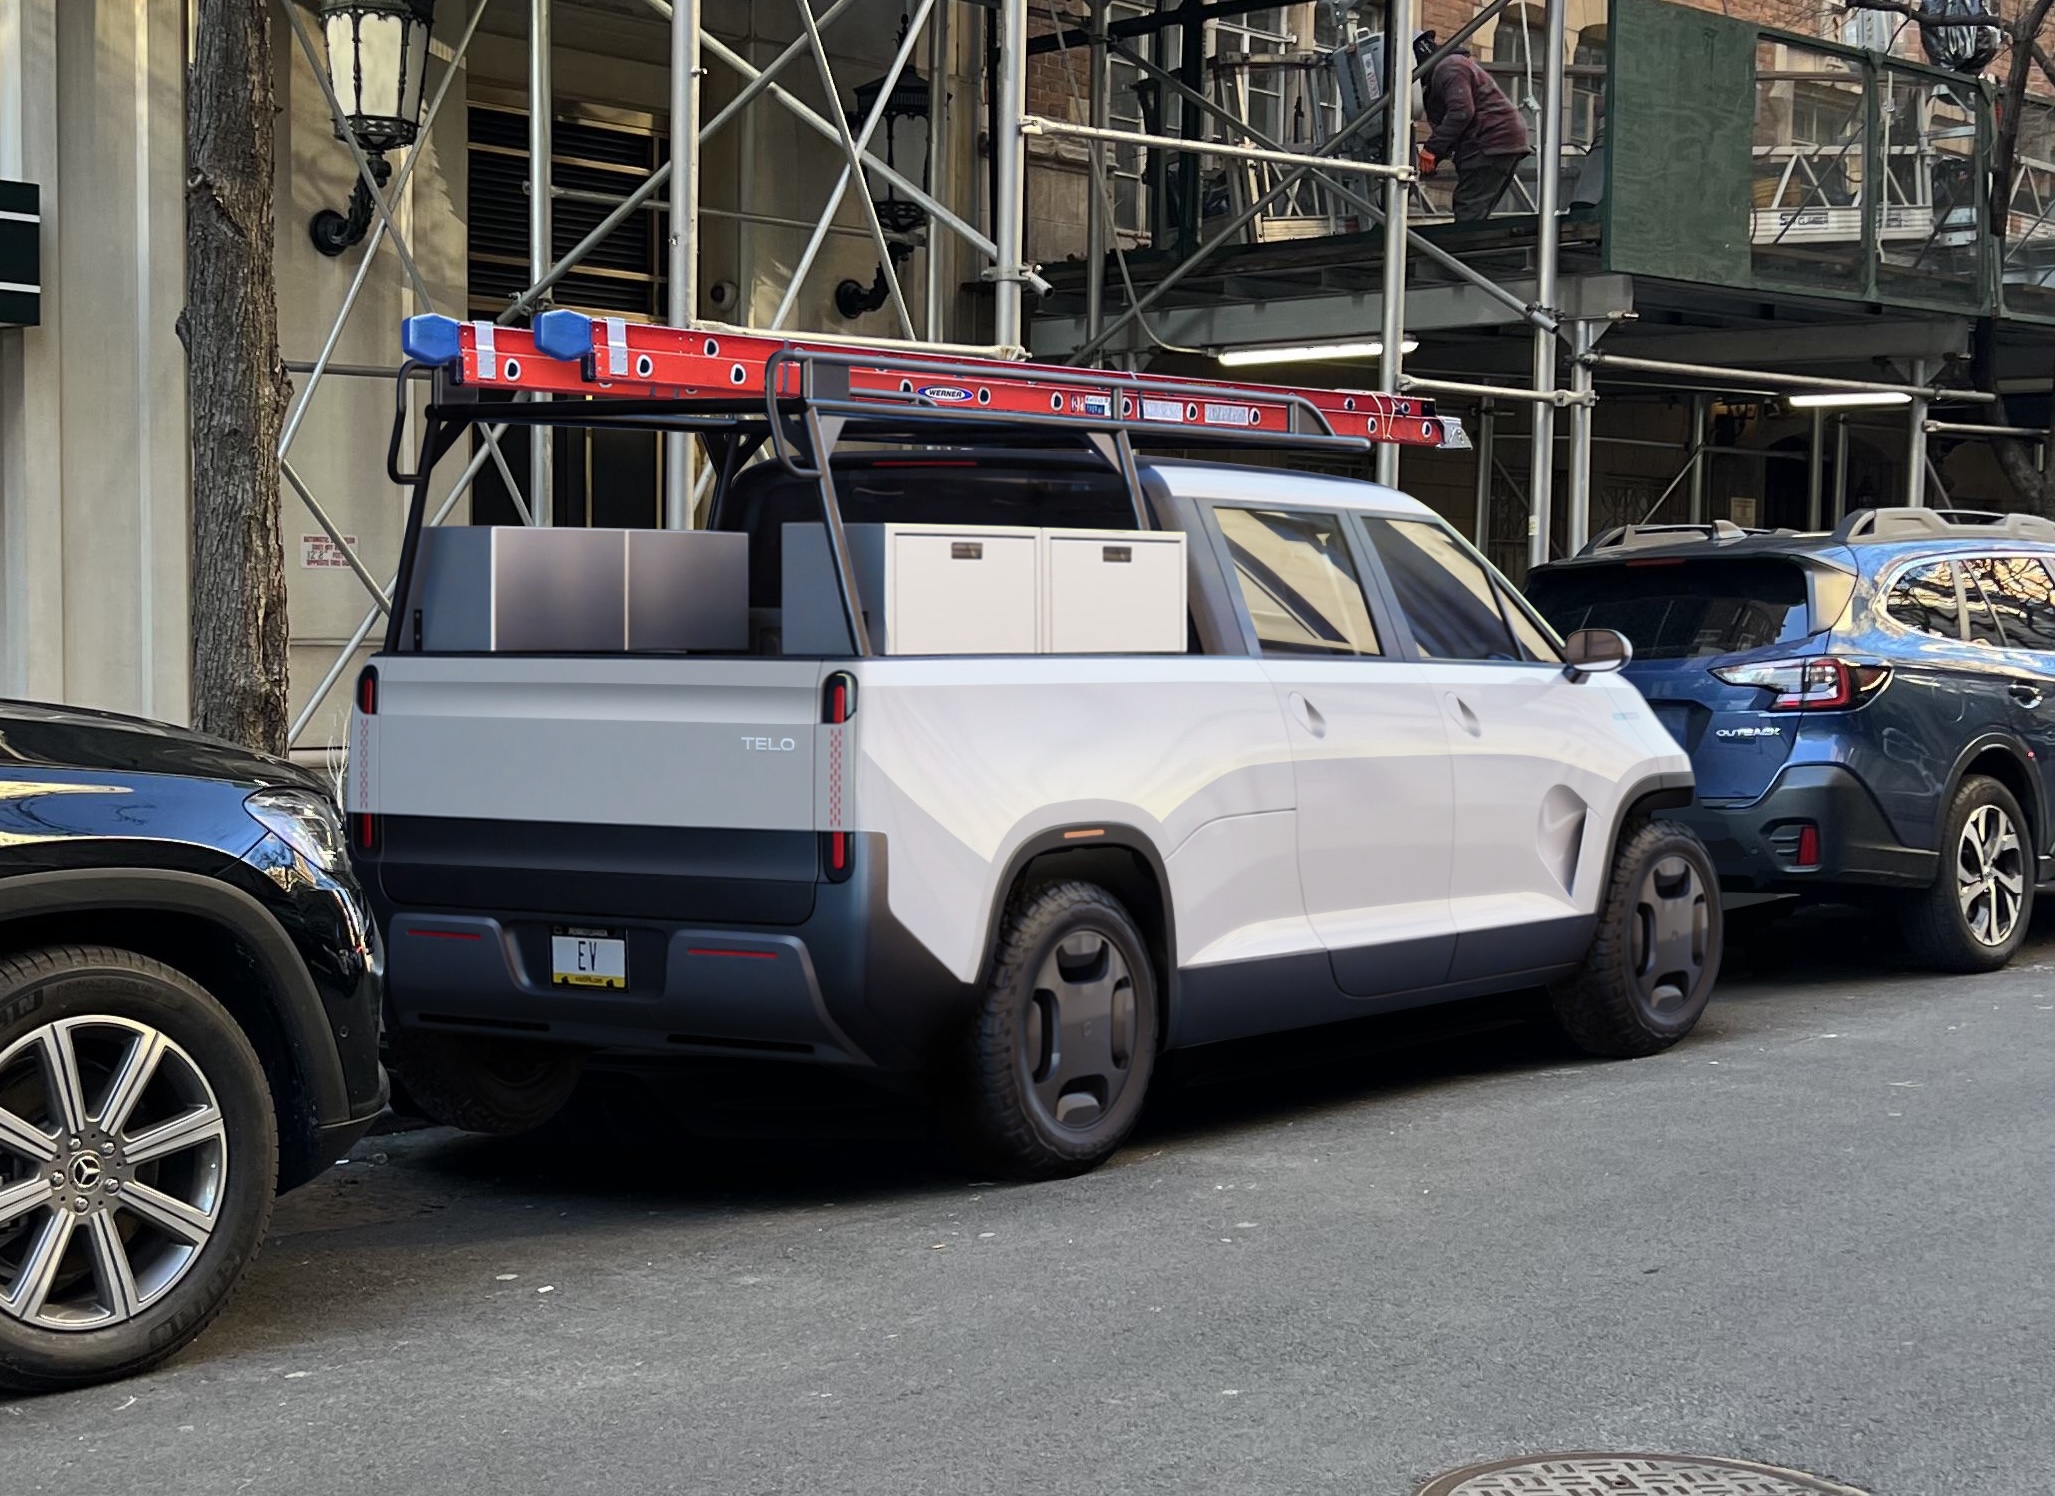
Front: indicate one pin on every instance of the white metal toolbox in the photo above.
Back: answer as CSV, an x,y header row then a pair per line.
x,y
940,589
1113,592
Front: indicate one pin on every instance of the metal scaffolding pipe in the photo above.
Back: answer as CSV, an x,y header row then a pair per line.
x,y
1409,382
541,251
1009,162
1579,515
1960,428
1099,85
1398,137
682,244
1716,372
1816,470
1916,441
1840,469
1541,442
1701,410
1486,440
1035,124
938,156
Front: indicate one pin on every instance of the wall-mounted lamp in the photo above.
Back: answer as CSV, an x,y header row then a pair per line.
x,y
377,61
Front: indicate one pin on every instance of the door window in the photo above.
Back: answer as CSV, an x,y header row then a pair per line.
x,y
1924,598
2022,594
1300,585
1444,591
1532,636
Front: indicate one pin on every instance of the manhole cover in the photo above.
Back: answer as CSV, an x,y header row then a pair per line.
x,y
1629,1475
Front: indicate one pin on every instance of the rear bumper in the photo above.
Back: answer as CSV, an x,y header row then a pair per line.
x,y
845,986
1753,845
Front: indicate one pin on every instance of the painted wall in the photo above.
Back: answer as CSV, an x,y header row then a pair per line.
x,y
93,509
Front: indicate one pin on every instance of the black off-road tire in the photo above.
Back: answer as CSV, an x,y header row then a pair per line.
x,y
482,1083
1656,952
1937,929
1070,970
45,987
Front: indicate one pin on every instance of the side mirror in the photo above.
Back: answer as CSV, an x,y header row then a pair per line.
x,y
1595,652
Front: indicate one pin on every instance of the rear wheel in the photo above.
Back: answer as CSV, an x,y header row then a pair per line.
x,y
1656,953
1059,1057
485,1084
138,1159
1974,917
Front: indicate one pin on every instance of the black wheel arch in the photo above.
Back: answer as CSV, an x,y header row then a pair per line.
x,y
1672,789
1122,859
2002,757
249,964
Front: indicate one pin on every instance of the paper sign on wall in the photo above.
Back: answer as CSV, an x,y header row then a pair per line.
x,y
318,552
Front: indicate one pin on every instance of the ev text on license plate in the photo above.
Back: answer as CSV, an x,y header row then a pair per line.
x,y
587,958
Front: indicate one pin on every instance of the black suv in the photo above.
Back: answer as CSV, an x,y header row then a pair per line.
x,y
189,1018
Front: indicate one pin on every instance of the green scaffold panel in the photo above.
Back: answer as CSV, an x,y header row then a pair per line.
x,y
1680,115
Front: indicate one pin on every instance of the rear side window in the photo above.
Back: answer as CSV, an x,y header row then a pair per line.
x,y
1301,587
1444,591
1924,598
1679,609
2021,594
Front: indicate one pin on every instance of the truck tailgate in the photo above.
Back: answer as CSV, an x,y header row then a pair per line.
x,y
644,742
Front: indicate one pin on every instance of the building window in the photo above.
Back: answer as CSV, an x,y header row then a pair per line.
x,y
604,478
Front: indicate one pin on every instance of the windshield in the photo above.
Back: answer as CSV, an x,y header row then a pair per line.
x,y
1677,609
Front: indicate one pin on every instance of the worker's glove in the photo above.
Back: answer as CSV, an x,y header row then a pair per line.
x,y
1428,161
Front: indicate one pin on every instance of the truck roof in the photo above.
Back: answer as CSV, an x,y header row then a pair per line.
x,y
1228,480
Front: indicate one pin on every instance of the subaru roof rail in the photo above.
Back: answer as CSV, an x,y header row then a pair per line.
x,y
1635,537
1874,526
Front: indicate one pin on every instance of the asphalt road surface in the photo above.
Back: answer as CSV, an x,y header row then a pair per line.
x,y
1817,1234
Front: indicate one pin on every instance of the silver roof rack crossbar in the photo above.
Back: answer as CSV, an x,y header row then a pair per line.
x,y
1875,526
1636,537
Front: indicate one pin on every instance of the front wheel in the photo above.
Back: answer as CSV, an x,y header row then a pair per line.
x,y
138,1158
1063,1043
1656,952
1975,915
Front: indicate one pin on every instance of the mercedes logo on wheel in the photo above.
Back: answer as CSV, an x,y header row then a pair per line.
x,y
86,1171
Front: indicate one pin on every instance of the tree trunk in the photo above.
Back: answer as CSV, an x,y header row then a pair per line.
x,y
235,381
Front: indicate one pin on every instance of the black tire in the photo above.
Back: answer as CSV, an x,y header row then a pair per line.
x,y
103,1001
485,1084
1023,1107
1938,928
1656,953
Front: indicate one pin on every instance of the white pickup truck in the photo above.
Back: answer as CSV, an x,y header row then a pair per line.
x,y
917,790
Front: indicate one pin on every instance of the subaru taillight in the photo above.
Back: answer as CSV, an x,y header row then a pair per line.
x,y
1824,683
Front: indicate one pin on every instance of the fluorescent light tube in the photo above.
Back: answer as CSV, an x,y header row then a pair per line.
x,y
1240,358
1848,398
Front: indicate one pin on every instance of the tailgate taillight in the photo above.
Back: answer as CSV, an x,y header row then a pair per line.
x,y
1820,684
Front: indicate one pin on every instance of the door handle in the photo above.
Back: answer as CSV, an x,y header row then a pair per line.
x,y
1308,715
2026,693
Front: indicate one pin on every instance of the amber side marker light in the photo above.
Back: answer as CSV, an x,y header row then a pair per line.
x,y
1081,835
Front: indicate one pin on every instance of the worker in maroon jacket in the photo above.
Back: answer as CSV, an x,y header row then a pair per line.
x,y
1474,124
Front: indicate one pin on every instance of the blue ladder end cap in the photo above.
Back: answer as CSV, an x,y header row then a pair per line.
x,y
565,335
431,339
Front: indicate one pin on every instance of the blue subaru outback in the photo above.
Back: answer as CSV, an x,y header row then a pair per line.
x,y
1871,713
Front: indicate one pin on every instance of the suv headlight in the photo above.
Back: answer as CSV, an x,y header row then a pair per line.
x,y
304,821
